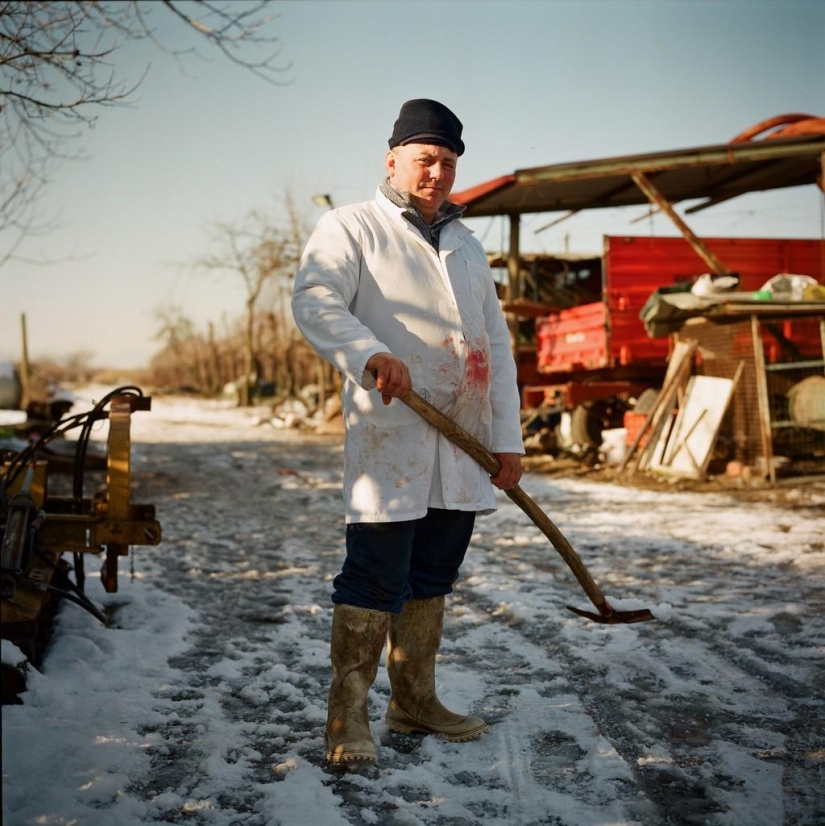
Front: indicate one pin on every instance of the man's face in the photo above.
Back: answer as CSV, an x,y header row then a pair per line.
x,y
426,171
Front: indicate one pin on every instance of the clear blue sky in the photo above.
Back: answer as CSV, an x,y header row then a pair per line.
x,y
534,83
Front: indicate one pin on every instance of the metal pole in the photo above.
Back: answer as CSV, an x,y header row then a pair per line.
x,y
24,365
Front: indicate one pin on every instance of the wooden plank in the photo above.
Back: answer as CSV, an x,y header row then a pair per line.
x,y
696,427
679,352
678,369
568,214
762,398
643,182
679,442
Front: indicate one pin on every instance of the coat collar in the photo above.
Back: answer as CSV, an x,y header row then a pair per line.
x,y
452,235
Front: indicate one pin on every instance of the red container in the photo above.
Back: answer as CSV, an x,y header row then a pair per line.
x,y
608,338
633,423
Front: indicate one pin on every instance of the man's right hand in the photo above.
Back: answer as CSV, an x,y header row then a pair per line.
x,y
392,378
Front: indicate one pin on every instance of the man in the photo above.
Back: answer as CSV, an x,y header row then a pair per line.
x,y
396,293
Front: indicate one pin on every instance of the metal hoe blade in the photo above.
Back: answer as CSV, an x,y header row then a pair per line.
x,y
610,616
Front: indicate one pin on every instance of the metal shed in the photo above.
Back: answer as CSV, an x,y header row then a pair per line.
x,y
710,174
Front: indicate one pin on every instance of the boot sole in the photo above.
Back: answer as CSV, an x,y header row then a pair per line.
x,y
354,756
402,728
358,757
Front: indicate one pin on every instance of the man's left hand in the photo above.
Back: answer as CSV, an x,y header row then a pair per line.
x,y
509,473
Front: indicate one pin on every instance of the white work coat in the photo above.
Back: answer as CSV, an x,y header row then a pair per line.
x,y
369,283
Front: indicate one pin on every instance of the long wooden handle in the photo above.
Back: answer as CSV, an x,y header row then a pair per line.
x,y
470,445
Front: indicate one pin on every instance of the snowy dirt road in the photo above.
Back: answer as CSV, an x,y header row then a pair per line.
x,y
205,703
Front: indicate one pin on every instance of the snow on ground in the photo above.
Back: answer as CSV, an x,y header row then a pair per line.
x,y
204,702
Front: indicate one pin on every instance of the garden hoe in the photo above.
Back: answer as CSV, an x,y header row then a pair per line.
x,y
469,444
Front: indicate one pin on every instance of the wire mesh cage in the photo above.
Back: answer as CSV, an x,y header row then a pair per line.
x,y
776,418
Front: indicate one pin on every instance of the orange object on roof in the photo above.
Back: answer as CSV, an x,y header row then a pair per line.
x,y
790,126
480,190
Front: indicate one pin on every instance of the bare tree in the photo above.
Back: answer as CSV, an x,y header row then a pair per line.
x,y
176,331
261,348
58,69
263,255
78,365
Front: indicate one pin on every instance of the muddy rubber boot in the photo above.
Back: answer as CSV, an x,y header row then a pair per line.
x,y
414,639
358,636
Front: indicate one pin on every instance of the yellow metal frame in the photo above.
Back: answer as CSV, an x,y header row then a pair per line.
x,y
109,523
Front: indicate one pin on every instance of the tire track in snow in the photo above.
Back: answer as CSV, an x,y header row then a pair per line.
x,y
672,703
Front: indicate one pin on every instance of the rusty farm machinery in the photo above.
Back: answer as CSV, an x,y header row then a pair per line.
x,y
40,529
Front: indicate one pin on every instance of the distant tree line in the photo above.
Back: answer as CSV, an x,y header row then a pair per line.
x,y
212,364
255,354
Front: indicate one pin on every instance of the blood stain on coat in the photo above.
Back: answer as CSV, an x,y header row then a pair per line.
x,y
478,368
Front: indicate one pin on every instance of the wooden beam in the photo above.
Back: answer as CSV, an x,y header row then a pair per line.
x,y
662,161
514,279
649,214
513,259
657,199
820,182
718,199
558,220
763,399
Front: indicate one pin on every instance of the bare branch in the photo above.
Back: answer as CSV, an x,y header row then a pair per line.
x,y
57,71
262,254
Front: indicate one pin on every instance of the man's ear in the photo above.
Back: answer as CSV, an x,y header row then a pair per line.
x,y
389,163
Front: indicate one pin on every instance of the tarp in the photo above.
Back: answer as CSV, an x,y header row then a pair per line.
x,y
667,309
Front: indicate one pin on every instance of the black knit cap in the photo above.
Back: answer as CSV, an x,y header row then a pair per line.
x,y
427,121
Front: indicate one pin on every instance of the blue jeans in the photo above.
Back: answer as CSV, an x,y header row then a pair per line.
x,y
389,563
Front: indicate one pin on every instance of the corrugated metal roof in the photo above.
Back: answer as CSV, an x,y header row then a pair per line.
x,y
714,173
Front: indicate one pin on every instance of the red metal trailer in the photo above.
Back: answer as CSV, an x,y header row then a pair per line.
x,y
592,359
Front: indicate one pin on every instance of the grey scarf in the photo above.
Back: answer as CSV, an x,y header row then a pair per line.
x,y
432,232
